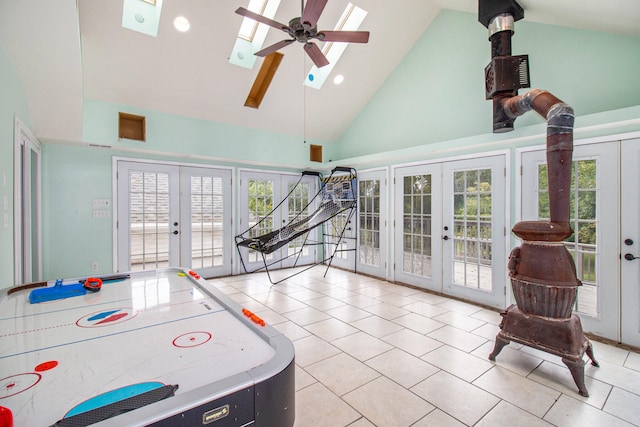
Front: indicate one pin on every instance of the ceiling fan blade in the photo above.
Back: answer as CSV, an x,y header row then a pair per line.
x,y
344,36
312,11
277,46
264,20
315,54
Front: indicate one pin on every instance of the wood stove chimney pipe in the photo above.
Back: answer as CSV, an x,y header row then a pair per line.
x,y
499,17
560,119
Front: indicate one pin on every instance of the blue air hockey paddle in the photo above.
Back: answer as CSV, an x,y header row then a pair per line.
x,y
61,291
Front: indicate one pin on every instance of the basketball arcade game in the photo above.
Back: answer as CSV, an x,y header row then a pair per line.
x,y
159,347
338,195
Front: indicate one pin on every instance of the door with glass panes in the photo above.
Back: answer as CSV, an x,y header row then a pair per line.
x,y
372,223
260,195
604,187
474,229
339,233
596,301
170,215
417,225
450,228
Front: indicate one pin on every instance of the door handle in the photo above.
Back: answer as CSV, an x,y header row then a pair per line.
x,y
175,232
630,257
445,237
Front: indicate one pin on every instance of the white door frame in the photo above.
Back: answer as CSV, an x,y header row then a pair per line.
x,y
435,166
499,236
26,268
280,190
611,238
432,279
630,229
122,187
309,253
336,230
179,166
186,223
382,175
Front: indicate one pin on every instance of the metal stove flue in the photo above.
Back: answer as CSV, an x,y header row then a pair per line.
x,y
542,271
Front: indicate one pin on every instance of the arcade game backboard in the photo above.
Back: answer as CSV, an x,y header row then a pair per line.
x,y
161,347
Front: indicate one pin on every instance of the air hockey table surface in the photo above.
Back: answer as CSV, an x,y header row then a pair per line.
x,y
114,357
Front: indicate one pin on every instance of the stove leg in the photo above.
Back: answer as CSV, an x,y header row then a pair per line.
x,y
500,343
589,352
577,372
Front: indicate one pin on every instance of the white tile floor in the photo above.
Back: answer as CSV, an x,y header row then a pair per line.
x,y
369,352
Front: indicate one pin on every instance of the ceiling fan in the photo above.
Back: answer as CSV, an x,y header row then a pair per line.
x,y
304,29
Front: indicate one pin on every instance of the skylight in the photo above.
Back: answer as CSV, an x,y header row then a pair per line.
x,y
252,34
249,26
142,16
351,19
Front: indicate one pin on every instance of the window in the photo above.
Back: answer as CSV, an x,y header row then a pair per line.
x,y
252,34
583,243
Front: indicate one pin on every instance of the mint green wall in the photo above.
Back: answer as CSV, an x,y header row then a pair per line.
x,y
74,174
72,239
13,102
436,93
176,134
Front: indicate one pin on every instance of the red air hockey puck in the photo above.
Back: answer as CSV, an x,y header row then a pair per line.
x,y
93,284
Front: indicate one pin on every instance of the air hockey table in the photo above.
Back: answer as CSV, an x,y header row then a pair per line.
x,y
161,347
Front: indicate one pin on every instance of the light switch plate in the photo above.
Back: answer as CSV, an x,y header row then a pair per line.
x,y
101,213
101,203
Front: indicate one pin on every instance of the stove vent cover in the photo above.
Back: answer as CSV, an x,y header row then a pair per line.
x,y
506,74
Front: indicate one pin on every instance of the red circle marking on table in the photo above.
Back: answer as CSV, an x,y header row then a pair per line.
x,y
192,339
15,384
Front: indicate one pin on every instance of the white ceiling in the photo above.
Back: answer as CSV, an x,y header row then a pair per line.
x,y
189,74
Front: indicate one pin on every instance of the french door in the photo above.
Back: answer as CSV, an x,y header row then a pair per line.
x,y
594,213
372,223
450,228
260,194
630,241
341,231
418,219
173,215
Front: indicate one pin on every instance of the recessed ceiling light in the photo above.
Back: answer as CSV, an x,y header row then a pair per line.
x,y
182,24
338,79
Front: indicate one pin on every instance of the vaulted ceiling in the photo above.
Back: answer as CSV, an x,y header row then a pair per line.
x,y
70,50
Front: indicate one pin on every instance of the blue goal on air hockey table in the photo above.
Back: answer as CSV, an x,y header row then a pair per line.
x,y
161,347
